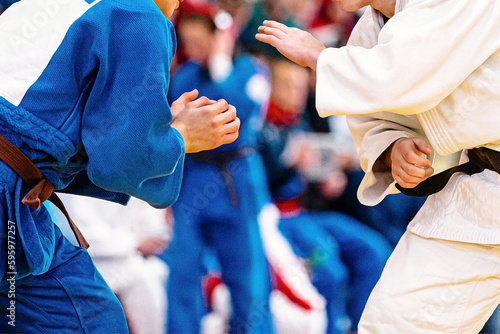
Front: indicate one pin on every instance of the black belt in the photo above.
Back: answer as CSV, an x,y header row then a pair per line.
x,y
479,159
222,160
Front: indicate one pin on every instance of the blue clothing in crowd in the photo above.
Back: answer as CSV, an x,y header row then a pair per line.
x,y
222,194
93,116
346,259
345,256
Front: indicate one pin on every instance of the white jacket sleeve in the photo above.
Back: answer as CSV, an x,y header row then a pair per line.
x,y
372,135
421,56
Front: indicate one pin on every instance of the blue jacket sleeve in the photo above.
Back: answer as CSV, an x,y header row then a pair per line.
x,y
126,130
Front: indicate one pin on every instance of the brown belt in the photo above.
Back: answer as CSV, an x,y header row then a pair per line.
x,y
479,159
41,188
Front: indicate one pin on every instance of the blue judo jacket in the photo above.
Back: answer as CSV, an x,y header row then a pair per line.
x,y
83,93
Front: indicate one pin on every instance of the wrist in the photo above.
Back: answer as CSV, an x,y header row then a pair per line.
x,y
386,157
181,128
314,57
384,161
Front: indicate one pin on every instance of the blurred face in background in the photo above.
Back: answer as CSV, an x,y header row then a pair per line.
x,y
240,10
290,86
197,38
337,15
305,10
167,7
353,5
385,6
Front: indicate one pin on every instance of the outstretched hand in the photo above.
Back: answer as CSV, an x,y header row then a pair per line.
x,y
408,167
204,124
297,45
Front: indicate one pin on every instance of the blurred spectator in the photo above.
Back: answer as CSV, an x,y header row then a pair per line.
x,y
331,24
333,182
223,190
239,10
279,10
124,241
296,305
345,257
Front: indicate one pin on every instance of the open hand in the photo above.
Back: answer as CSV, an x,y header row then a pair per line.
x,y
297,45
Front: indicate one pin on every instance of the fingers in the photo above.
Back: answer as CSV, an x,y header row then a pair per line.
x,y
410,150
273,28
228,125
297,45
205,124
188,96
415,158
276,25
229,138
419,147
422,146
405,184
201,102
412,173
225,117
408,175
415,171
221,106
406,181
231,127
271,32
231,131
409,167
181,102
220,111
268,39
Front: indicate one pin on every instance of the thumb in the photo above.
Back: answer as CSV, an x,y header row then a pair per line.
x,y
181,102
188,96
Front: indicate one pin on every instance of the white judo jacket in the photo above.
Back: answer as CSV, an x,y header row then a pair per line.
x,y
432,71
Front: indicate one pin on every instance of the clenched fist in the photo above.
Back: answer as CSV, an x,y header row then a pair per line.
x,y
203,123
404,158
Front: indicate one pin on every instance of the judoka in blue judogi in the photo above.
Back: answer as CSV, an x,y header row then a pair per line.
x,y
92,114
222,194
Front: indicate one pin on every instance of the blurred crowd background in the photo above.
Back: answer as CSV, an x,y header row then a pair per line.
x,y
267,235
